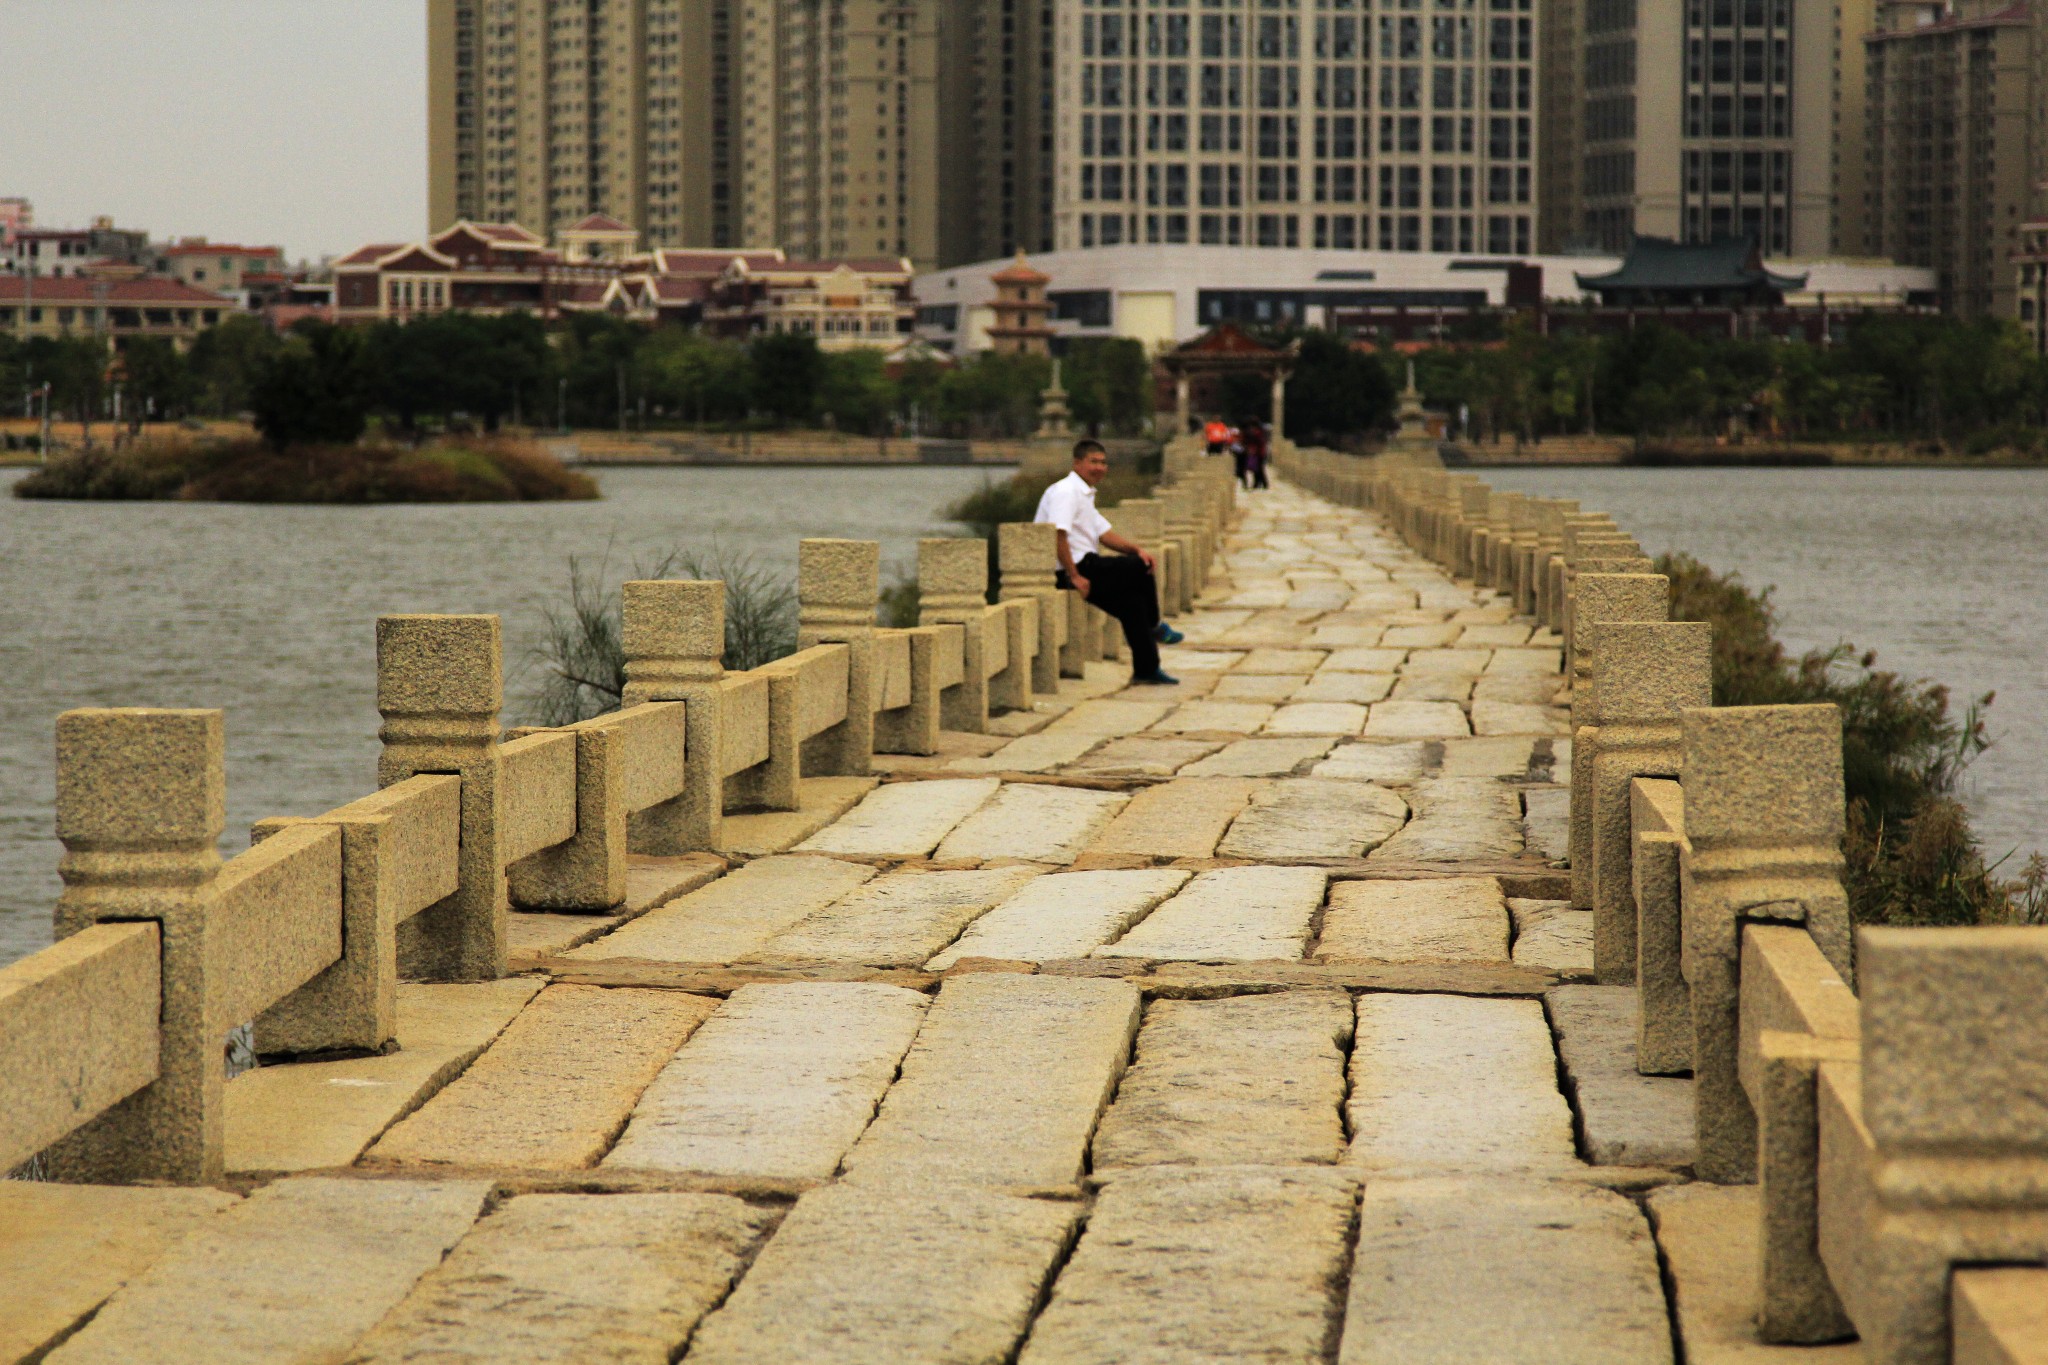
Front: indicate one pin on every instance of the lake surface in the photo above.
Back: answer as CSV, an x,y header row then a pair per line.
x,y
1943,572
269,613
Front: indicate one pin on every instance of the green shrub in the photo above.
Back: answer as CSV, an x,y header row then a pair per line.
x,y
1911,855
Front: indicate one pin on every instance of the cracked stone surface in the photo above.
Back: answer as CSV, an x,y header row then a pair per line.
x,y
1446,919
1236,914
1312,817
1034,822
1458,819
903,819
898,920
1064,915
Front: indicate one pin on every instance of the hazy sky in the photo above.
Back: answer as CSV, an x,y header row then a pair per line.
x,y
297,122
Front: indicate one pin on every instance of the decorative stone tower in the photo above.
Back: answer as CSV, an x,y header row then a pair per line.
x,y
1021,311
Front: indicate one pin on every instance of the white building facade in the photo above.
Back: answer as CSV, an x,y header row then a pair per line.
x,y
1396,125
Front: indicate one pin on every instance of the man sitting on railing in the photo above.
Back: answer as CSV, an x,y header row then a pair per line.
x,y
1120,584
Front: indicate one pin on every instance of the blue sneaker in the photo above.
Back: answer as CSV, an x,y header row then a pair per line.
x,y
1167,635
1156,678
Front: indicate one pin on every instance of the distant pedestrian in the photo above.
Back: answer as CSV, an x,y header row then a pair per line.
x,y
1237,454
1120,584
1257,450
1217,434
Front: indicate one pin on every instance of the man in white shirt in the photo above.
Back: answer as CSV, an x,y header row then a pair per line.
x,y
1120,584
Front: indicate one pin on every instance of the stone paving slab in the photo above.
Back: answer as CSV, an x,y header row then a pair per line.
x,y
1233,1263
1416,720
1468,663
820,801
898,920
1360,688
1296,661
1553,936
1540,662
653,881
1263,687
781,1081
1628,1119
1458,819
555,1088
1498,635
1527,689
1033,821
1317,718
1445,919
1455,687
1383,662
897,1275
1179,819
1111,717
1038,753
563,1277
1314,817
319,1115
1710,1237
1419,637
1142,756
65,1248
734,915
1254,1079
1216,717
297,1272
1513,718
1546,821
1003,1085
1262,757
1490,757
1232,914
1443,1083
532,938
1397,763
1478,1271
903,819
1063,915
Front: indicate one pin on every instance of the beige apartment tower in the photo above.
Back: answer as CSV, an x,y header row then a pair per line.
x,y
1700,119
831,128
1399,125
1956,157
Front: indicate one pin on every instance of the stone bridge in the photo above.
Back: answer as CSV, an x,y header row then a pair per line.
x,y
1433,975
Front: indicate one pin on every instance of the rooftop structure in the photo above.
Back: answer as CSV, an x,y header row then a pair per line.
x,y
1658,273
54,306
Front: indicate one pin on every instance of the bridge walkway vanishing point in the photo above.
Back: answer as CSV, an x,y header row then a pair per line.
x,y
1253,1018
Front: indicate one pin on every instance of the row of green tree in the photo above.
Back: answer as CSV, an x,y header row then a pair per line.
x,y
326,383
1906,377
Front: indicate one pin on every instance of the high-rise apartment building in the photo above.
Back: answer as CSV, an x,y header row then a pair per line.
x,y
1700,119
1955,144
1406,125
918,128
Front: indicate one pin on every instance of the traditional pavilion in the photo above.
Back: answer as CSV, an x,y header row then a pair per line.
x,y
1225,350
1661,273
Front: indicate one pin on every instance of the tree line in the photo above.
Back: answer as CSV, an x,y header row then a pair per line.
x,y
320,382
1898,377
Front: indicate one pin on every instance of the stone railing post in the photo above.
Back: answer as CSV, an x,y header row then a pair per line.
x,y
1644,674
673,633
1763,825
839,583
952,589
1026,555
1602,598
1954,1112
141,802
1144,521
440,684
1181,528
587,873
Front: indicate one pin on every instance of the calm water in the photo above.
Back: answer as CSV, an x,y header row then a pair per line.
x,y
1942,572
268,612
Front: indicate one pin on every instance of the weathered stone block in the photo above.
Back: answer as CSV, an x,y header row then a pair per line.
x,y
1447,919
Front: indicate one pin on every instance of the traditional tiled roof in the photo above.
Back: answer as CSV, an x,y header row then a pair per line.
x,y
597,222
668,261
1020,272
60,289
368,255
222,249
1662,264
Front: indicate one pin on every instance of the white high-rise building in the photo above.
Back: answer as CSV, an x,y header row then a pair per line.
x,y
1402,125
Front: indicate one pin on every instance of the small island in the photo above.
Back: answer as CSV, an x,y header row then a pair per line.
x,y
455,469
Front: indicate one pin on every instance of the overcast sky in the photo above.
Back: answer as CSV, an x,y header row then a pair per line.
x,y
295,122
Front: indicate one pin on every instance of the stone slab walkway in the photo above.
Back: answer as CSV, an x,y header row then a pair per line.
x,y
1234,1020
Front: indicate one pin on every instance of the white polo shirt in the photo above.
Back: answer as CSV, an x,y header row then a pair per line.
x,y
1070,505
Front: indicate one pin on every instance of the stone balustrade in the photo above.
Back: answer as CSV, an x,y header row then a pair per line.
x,y
1885,1089
111,1039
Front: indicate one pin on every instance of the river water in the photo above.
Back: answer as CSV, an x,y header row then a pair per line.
x,y
268,612
1943,572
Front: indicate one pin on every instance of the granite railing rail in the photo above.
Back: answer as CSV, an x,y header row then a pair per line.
x,y
111,1040
1885,1088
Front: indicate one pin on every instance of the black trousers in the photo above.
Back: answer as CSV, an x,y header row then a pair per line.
x,y
1122,586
